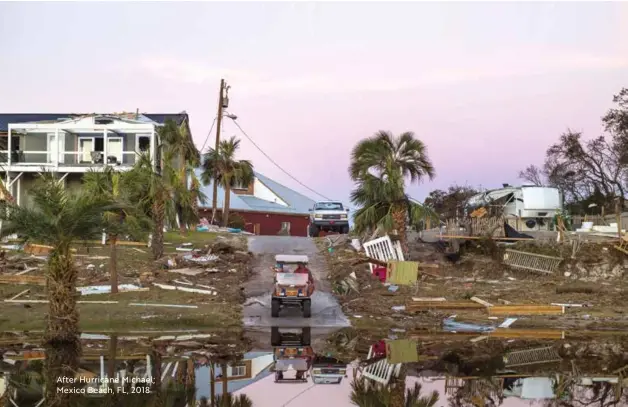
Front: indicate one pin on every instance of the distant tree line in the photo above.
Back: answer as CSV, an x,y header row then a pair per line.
x,y
591,174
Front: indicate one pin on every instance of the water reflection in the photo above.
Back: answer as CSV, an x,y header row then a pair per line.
x,y
283,366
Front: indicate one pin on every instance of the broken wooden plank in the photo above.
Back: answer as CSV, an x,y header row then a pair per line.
x,y
186,289
19,294
429,299
137,304
480,301
118,243
188,271
34,280
28,270
484,237
519,309
419,305
509,333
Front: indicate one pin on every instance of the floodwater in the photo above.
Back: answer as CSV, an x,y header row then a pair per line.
x,y
322,360
136,368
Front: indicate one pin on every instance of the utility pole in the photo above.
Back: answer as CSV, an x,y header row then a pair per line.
x,y
221,96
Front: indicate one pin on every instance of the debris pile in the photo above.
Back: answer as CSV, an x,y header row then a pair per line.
x,y
217,269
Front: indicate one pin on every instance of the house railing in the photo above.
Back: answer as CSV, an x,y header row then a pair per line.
x,y
66,158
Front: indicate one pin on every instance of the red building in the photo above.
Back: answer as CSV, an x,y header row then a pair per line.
x,y
266,206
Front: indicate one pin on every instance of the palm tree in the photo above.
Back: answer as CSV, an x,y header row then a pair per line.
x,y
229,400
364,394
60,219
152,192
380,166
222,165
128,219
183,157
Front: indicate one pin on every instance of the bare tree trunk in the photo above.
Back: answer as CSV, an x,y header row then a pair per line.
x,y
225,211
113,263
225,380
212,384
157,245
112,397
190,383
156,373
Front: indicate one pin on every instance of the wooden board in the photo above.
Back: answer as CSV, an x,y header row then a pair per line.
x,y
508,310
32,280
421,305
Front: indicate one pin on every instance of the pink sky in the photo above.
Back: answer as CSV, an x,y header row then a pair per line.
x,y
487,86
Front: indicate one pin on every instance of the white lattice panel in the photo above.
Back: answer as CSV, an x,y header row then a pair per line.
x,y
383,249
382,371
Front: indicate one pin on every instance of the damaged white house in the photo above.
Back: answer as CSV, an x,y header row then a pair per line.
x,y
527,208
72,144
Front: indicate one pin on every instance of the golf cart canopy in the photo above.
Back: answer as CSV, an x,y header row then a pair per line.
x,y
295,279
291,258
283,365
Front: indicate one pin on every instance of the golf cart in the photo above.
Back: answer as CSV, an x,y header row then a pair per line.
x,y
292,354
290,289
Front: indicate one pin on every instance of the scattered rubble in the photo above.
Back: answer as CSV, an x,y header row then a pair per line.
x,y
583,280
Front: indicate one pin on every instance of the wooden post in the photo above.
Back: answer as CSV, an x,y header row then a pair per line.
x,y
618,218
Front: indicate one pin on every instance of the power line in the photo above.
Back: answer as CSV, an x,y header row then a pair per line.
x,y
277,165
208,134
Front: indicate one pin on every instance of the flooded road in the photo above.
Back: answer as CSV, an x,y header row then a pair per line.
x,y
326,312
263,364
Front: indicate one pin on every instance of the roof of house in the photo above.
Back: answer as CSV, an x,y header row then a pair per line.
x,y
297,203
6,118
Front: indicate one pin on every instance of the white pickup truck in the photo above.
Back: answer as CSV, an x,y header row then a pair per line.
x,y
329,216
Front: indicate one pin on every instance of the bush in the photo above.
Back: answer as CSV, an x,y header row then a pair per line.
x,y
236,221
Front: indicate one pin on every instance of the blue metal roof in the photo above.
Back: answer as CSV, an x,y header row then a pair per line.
x,y
6,118
297,203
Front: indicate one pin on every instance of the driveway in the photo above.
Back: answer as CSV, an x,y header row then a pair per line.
x,y
326,312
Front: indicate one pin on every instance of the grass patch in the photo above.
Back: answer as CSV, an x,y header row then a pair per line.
x,y
119,317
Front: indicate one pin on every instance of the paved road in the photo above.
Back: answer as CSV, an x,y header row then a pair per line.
x,y
326,312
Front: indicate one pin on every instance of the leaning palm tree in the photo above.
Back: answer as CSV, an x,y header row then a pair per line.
x,y
60,219
222,165
380,165
128,219
229,400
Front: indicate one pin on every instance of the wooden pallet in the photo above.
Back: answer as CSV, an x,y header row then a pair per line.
x,y
532,357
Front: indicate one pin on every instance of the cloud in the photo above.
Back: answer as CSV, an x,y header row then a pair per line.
x,y
411,74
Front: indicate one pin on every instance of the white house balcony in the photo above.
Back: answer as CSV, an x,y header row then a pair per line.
x,y
76,145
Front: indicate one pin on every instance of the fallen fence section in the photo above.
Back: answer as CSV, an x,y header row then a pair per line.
x,y
532,357
531,261
383,249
